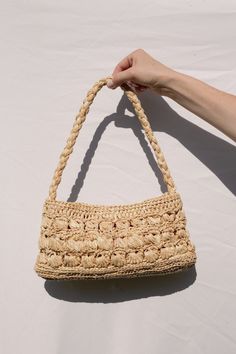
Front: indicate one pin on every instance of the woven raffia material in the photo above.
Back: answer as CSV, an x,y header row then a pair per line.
x,y
90,241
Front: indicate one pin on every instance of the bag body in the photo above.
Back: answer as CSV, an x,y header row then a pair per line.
x,y
90,241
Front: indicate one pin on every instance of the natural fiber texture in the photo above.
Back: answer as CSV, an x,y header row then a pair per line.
x,y
90,241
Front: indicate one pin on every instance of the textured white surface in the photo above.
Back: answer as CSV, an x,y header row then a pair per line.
x,y
51,54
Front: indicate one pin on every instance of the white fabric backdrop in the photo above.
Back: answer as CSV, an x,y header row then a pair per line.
x,y
52,52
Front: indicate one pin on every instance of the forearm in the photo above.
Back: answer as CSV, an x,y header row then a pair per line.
x,y
214,106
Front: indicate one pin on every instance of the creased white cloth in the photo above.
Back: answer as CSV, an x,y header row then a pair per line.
x,y
52,52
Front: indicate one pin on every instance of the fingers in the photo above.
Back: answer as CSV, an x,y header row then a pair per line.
x,y
136,87
124,64
121,72
119,78
125,72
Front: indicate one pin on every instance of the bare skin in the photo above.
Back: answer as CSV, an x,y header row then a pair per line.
x,y
140,72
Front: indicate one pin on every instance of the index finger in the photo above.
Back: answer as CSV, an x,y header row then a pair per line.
x,y
124,64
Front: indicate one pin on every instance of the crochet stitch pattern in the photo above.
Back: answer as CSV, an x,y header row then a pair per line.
x,y
90,241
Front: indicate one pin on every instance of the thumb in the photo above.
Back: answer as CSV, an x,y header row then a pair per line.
x,y
119,78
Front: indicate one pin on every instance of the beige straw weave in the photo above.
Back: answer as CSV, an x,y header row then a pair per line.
x,y
89,241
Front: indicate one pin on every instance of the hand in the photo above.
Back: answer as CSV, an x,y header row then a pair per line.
x,y
140,71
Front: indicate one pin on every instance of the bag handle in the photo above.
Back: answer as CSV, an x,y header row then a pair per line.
x,y
80,118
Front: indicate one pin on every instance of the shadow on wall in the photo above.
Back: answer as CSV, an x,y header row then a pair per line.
x,y
215,153
118,290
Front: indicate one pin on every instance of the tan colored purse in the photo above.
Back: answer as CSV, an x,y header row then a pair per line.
x,y
89,241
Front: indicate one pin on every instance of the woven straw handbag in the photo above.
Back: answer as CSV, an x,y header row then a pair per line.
x,y
91,241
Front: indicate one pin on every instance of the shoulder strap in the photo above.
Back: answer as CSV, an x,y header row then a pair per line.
x,y
80,118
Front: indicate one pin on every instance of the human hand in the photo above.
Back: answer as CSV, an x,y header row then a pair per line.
x,y
140,71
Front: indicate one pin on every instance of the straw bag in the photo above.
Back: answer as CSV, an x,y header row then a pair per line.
x,y
91,241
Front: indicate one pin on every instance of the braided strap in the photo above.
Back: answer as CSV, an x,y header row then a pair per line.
x,y
80,118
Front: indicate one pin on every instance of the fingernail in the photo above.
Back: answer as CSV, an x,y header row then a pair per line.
x,y
110,84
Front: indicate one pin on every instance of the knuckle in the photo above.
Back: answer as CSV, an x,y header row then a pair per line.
x,y
140,50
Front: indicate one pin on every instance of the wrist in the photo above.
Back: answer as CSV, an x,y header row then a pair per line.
x,y
171,84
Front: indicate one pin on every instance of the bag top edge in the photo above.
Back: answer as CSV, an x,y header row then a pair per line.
x,y
165,197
